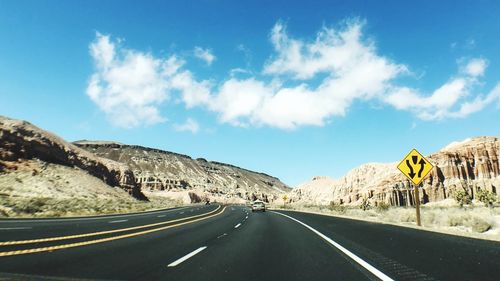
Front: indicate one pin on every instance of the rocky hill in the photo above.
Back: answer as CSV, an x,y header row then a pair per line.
x,y
171,173
472,164
21,141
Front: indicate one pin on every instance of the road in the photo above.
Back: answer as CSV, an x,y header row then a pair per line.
x,y
231,243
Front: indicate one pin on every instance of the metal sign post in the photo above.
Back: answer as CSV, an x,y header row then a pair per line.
x,y
417,204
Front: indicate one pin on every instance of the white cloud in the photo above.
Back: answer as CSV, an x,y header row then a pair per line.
x,y
353,71
189,126
478,103
193,93
204,54
130,86
235,71
441,99
238,99
334,52
475,67
449,100
303,83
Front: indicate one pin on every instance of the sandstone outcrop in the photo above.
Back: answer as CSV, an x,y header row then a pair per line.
x,y
20,140
472,165
158,170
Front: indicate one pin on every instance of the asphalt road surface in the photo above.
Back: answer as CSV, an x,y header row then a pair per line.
x,y
231,243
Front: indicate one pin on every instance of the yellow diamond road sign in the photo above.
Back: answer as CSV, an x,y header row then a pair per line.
x,y
415,167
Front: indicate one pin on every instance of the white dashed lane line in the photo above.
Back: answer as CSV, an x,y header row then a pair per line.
x,y
184,258
161,216
238,225
14,228
117,221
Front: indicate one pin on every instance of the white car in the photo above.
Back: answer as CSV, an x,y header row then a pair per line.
x,y
258,206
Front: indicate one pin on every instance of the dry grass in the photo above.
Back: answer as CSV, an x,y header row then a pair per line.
x,y
53,207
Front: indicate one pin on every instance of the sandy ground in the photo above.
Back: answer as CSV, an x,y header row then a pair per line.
x,y
37,189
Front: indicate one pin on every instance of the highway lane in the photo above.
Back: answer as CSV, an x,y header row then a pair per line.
x,y
134,258
268,247
239,245
409,254
21,229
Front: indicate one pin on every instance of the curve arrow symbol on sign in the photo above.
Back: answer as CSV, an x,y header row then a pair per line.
x,y
411,173
422,165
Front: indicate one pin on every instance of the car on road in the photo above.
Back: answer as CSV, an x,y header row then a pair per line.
x,y
258,206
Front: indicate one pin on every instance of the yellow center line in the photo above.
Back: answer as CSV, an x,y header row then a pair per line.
x,y
79,244
49,239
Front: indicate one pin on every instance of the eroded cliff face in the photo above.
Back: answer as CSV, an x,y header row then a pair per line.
x,y
20,140
157,170
471,164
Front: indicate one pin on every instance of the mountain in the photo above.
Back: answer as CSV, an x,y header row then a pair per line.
x,y
471,164
21,142
31,155
170,173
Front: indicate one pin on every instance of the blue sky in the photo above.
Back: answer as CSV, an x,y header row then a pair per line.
x,y
291,89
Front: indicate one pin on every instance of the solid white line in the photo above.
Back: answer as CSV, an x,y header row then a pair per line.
x,y
118,221
177,262
357,259
14,228
238,225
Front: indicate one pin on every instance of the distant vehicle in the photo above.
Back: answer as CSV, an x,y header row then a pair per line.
x,y
258,206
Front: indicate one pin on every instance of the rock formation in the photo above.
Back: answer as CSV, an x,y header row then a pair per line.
x,y
20,140
471,165
158,170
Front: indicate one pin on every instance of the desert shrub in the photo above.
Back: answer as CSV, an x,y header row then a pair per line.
x,y
477,224
195,198
32,206
365,204
480,225
398,215
3,213
382,206
487,197
462,197
455,220
337,208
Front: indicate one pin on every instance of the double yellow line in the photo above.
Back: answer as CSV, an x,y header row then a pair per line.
x,y
190,219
